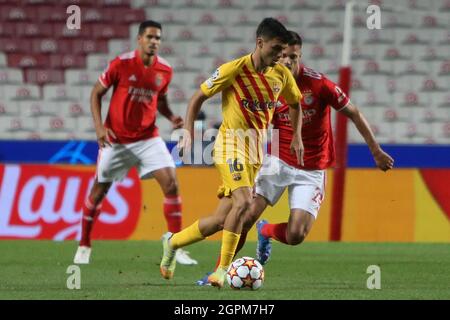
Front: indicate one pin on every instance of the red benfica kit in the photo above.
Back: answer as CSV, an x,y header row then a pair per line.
x,y
318,94
133,106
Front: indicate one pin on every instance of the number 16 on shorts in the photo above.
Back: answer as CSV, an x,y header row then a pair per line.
x,y
236,168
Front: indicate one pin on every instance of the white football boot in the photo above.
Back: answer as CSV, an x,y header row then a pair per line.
x,y
183,258
83,255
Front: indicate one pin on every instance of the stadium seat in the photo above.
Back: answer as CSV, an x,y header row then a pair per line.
x,y
21,92
85,125
81,46
109,31
128,15
268,5
430,114
98,62
18,60
9,45
7,29
73,109
11,76
306,5
408,99
440,100
39,108
44,76
441,132
9,108
56,124
65,61
34,30
116,46
10,124
408,131
49,46
79,77
61,31
61,93
17,14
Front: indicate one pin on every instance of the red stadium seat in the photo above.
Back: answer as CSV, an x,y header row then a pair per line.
x,y
65,61
44,76
96,15
60,30
53,14
17,13
129,16
110,31
9,45
89,46
122,4
7,29
29,30
28,60
49,45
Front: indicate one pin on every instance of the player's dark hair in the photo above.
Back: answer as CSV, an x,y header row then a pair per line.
x,y
147,24
271,28
295,39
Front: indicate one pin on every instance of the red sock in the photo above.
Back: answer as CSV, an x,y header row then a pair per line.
x,y
275,231
172,213
238,248
90,214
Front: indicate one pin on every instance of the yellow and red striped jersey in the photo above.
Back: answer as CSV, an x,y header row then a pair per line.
x,y
249,97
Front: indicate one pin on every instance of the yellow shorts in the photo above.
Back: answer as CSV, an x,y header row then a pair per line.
x,y
236,174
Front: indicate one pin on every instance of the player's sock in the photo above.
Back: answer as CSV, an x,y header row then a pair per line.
x,y
172,212
186,236
90,214
240,244
275,231
229,244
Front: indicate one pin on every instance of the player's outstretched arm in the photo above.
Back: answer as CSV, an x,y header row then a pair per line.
x,y
98,91
296,122
164,109
383,160
193,109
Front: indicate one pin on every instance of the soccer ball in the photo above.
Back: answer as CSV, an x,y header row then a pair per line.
x,y
245,273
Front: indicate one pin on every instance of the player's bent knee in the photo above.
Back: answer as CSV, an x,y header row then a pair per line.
x,y
171,188
296,238
241,206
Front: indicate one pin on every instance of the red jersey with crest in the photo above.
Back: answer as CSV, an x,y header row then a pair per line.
x,y
319,93
133,106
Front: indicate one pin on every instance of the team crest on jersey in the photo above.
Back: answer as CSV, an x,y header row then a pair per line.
x,y
158,79
308,98
276,87
237,176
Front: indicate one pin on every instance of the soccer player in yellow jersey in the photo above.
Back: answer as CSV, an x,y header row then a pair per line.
x,y
250,89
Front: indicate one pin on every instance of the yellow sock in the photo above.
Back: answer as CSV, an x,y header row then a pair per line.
x,y
229,244
186,236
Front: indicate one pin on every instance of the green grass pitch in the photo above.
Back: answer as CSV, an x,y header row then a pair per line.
x,y
130,270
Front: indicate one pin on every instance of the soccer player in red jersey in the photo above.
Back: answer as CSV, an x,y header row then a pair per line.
x,y
306,184
129,136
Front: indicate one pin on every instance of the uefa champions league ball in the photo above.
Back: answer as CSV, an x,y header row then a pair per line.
x,y
245,273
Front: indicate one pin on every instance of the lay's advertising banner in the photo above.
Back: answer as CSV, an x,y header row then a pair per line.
x,y
45,202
